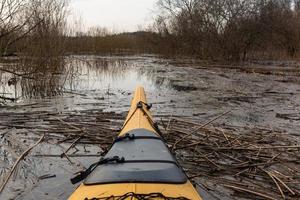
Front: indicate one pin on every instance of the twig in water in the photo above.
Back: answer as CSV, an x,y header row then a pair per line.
x,y
18,161
276,183
250,191
289,189
70,147
197,129
168,126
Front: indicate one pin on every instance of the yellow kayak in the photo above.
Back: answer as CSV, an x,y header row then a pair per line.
x,y
138,165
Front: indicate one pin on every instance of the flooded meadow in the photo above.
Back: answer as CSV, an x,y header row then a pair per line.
x,y
91,95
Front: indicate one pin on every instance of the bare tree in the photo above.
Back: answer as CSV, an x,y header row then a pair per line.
x,y
11,21
230,29
19,18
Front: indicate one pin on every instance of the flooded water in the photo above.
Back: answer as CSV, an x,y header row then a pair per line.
x,y
174,87
179,89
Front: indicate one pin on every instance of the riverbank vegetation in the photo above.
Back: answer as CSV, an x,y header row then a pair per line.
x,y
235,30
32,27
230,29
32,32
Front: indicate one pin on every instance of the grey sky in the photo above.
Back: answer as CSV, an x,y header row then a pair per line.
x,y
120,15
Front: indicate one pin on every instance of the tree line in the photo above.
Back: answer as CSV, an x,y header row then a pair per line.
x,y
230,29
208,29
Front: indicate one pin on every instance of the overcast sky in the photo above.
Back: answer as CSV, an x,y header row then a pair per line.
x,y
120,15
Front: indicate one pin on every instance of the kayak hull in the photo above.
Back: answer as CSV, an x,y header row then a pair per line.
x,y
170,190
149,167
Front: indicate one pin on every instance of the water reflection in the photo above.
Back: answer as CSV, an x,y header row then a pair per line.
x,y
30,77
98,73
77,73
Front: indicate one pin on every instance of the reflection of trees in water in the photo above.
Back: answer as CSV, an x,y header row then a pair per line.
x,y
116,69
46,77
32,77
113,69
154,75
95,67
50,76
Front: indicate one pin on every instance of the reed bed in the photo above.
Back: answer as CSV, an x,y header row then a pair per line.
x,y
241,162
256,161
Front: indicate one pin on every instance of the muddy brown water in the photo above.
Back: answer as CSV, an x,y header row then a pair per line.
x,y
175,88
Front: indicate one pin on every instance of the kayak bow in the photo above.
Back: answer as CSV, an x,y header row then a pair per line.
x,y
138,165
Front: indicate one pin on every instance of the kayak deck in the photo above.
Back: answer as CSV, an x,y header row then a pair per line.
x,y
147,160
144,164
138,118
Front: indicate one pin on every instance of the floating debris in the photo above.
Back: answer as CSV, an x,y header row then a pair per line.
x,y
255,161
